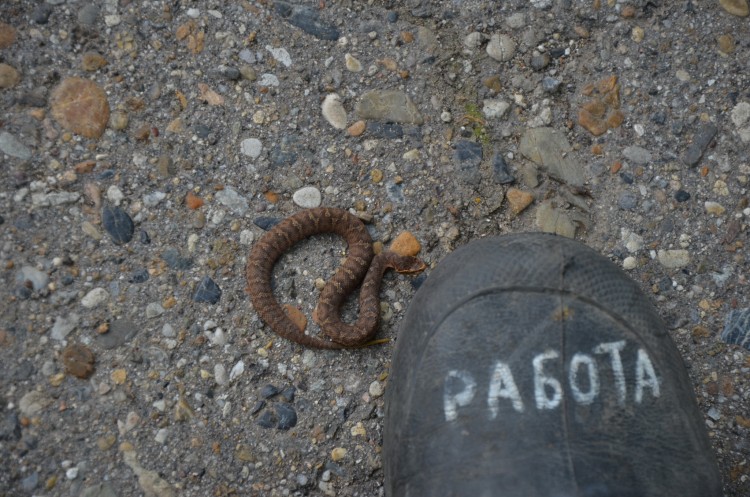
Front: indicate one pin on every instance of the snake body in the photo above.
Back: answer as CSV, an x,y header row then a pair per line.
x,y
360,267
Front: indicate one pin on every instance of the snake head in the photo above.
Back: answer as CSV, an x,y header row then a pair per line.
x,y
406,264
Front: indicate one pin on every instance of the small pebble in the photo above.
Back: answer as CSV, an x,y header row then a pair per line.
x,y
95,298
252,147
207,291
287,416
627,201
333,111
681,196
375,390
519,200
118,224
352,64
307,197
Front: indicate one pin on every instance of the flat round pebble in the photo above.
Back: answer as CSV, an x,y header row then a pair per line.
x,y
118,224
307,197
252,147
501,47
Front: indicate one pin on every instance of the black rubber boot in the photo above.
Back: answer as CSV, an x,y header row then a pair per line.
x,y
529,365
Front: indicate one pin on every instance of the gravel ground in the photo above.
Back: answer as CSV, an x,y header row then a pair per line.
x,y
147,144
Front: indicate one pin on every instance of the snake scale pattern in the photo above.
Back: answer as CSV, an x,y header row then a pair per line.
x,y
360,267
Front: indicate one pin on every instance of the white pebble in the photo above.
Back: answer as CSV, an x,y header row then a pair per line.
x,y
307,197
268,80
94,298
252,147
281,55
333,111
629,263
153,310
115,195
112,20
237,370
494,108
153,199
194,13
161,435
352,64
376,389
72,473
220,374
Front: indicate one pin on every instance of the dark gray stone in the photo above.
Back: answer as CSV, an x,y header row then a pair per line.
x,y
10,427
139,275
681,196
627,201
207,291
257,407
550,85
30,482
737,328
41,13
269,391
284,153
500,170
118,224
287,416
391,131
701,140
88,15
307,20
288,393
395,192
540,62
120,332
467,158
175,260
267,419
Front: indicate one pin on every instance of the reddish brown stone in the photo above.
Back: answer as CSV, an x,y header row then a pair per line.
x,y
78,360
80,106
7,35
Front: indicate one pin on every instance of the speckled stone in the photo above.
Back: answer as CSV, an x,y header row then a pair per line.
x,y
701,140
388,105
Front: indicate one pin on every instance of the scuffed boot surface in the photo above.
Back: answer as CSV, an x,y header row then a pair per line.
x,y
529,365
